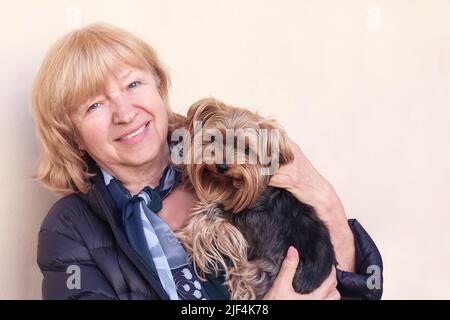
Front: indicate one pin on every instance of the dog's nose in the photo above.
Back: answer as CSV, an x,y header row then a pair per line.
x,y
221,168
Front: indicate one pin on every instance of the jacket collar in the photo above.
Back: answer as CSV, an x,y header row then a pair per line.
x,y
103,206
107,210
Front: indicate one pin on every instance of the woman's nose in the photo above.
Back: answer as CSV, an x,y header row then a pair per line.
x,y
124,111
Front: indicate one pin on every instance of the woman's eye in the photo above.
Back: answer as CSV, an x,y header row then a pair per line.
x,y
247,150
213,138
134,84
93,106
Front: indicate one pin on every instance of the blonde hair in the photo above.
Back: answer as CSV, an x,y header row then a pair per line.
x,y
75,70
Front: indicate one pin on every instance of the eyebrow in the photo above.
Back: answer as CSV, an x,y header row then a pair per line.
x,y
124,76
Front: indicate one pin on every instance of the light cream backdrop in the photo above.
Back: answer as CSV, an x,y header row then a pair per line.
x,y
362,86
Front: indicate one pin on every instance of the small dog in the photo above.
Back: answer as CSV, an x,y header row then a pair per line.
x,y
241,226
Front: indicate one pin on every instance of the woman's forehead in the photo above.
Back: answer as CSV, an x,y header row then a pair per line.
x,y
123,72
115,77
95,72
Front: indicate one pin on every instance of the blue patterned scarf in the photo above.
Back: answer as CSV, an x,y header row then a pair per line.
x,y
151,238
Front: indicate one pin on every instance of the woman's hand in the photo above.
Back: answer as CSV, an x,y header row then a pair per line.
x,y
301,179
282,288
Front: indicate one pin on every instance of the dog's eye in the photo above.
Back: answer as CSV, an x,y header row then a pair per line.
x,y
213,138
247,150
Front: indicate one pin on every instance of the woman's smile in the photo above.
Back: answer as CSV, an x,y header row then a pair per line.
x,y
134,136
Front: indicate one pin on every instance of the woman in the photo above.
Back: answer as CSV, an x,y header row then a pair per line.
x,y
101,107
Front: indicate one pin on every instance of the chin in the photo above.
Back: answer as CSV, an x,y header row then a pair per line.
x,y
145,155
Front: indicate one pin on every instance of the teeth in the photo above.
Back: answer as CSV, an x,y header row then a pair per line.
x,y
138,131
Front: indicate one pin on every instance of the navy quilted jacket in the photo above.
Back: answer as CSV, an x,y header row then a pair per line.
x,y
85,231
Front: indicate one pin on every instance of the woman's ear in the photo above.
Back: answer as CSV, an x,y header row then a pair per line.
x,y
202,110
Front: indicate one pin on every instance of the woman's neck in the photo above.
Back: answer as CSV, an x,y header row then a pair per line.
x,y
134,179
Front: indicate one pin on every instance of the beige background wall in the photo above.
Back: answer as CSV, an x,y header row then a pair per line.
x,y
362,86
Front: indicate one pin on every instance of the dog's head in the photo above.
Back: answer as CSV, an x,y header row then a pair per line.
x,y
231,153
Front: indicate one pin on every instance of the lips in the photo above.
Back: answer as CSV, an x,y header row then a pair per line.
x,y
134,134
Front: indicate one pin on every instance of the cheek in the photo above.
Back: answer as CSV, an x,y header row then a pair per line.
x,y
94,136
163,122
159,111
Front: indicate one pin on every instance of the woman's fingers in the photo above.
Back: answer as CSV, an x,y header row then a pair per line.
x,y
327,289
279,179
282,288
335,295
283,177
287,270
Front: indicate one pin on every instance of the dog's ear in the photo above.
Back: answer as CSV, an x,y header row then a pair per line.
x,y
286,154
276,141
202,110
176,121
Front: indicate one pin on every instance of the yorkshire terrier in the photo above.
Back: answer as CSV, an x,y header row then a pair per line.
x,y
241,226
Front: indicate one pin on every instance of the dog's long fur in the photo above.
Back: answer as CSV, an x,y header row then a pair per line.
x,y
241,226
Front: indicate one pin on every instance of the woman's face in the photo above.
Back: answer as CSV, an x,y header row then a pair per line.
x,y
125,126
